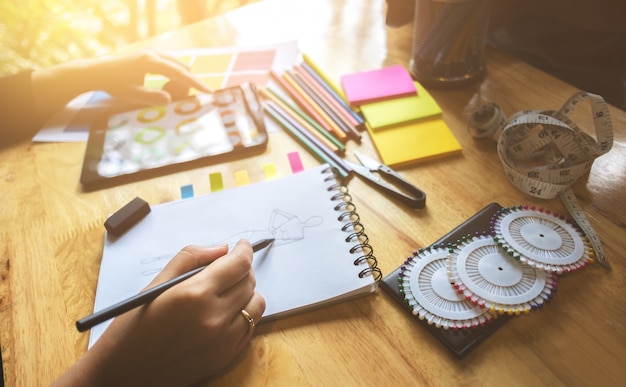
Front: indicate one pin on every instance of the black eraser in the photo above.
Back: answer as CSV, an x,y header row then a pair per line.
x,y
127,216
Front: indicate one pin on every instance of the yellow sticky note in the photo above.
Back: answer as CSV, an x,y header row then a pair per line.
x,y
270,171
241,178
383,114
408,142
216,182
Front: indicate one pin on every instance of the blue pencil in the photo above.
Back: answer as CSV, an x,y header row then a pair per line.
x,y
327,109
318,77
318,149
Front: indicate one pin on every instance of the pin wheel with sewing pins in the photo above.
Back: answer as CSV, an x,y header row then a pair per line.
x,y
488,277
541,238
429,295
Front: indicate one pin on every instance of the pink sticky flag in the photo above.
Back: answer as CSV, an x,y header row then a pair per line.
x,y
295,162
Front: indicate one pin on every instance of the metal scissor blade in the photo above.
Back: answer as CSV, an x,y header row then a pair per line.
x,y
392,183
367,162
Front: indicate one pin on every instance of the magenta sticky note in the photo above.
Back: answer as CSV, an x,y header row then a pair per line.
x,y
295,162
377,85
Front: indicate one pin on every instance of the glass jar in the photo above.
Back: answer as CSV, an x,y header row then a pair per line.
x,y
449,41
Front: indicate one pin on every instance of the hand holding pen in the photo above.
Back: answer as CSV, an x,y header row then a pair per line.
x,y
187,333
149,295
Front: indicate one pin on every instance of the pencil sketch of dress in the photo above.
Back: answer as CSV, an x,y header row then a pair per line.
x,y
283,227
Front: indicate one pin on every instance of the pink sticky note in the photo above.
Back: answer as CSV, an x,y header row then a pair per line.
x,y
377,85
295,162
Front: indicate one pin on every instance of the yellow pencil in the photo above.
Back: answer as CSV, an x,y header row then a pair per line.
x,y
322,75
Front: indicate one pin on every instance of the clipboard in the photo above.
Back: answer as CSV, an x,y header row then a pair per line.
x,y
131,145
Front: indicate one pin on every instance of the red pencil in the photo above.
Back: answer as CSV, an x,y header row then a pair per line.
x,y
323,93
325,105
309,120
303,103
325,118
311,142
270,97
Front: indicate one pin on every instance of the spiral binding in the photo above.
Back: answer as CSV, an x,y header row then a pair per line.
x,y
353,227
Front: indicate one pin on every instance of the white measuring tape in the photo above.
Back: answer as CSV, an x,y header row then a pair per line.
x,y
545,152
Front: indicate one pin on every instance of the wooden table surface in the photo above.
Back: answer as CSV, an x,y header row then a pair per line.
x,y
52,234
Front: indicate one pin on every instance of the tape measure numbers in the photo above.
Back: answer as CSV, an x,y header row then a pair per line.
x,y
544,152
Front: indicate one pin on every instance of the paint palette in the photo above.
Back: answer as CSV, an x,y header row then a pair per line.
x,y
191,132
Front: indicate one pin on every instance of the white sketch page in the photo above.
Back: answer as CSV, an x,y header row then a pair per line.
x,y
308,265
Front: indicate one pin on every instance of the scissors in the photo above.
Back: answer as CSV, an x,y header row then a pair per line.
x,y
401,189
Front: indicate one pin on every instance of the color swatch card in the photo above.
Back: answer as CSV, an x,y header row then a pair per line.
x,y
413,141
383,114
377,85
217,67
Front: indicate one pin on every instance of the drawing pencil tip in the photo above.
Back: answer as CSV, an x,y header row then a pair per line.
x,y
256,246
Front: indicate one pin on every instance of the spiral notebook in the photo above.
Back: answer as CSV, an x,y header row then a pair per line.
x,y
320,254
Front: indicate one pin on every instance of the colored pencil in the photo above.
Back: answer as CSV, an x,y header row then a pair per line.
x,y
307,59
355,119
306,105
308,118
325,81
333,109
335,121
306,73
335,158
326,121
310,143
304,124
299,116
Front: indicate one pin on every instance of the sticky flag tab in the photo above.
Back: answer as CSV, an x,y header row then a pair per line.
x,y
270,172
216,182
186,191
295,162
241,177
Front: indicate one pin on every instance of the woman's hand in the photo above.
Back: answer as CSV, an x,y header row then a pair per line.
x,y
189,333
123,77
120,76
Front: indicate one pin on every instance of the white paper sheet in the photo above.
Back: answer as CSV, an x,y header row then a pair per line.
x,y
308,264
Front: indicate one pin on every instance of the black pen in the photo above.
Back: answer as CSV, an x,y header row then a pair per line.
x,y
144,297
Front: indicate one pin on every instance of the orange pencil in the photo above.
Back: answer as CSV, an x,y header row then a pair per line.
x,y
288,110
334,128
343,119
326,95
329,113
312,123
332,89
300,100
